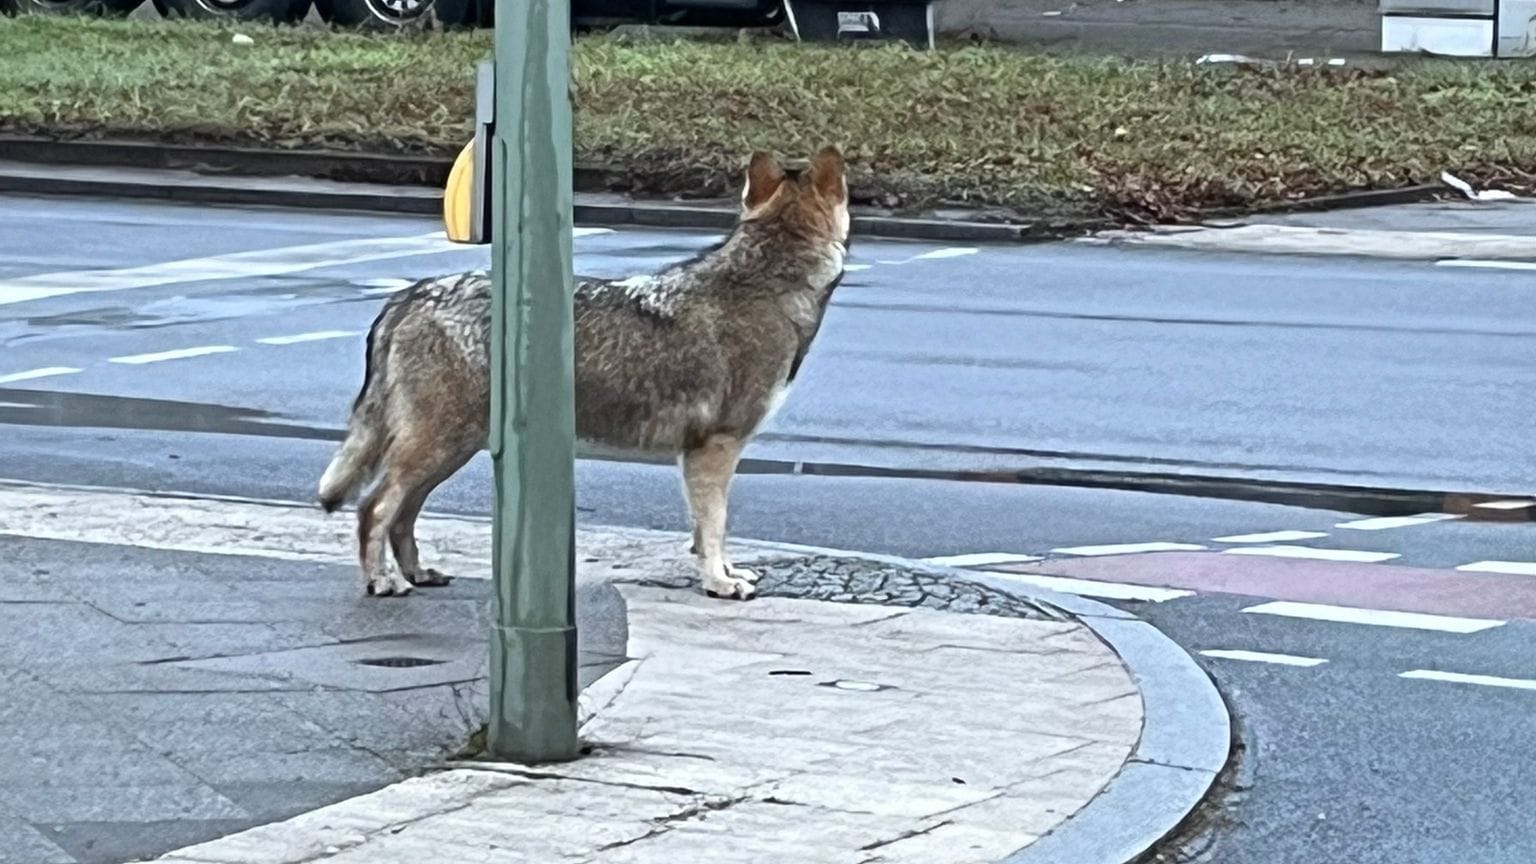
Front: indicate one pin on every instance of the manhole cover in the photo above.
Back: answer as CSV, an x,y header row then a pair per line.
x,y
858,686
399,662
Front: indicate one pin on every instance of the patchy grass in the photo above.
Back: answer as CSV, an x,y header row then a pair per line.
x,y
978,125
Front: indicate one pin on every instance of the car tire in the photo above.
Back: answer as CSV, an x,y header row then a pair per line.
x,y
101,8
465,13
376,14
762,14
277,11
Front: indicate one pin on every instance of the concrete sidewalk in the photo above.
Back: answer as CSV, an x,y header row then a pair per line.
x,y
778,730
864,709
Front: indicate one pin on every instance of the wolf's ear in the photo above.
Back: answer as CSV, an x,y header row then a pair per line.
x,y
829,174
764,174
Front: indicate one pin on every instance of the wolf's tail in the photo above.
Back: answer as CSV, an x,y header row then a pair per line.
x,y
357,459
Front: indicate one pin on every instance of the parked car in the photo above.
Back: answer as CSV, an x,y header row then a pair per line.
x,y
394,14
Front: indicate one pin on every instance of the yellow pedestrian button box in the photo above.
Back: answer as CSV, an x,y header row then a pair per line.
x,y
467,194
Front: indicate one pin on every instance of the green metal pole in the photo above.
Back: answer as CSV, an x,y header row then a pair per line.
x,y
533,654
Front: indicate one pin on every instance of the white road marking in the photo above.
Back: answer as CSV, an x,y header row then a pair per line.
x,y
386,285
1512,504
31,374
1315,554
1128,548
238,265
1263,657
853,268
1383,523
1374,617
1461,678
978,559
177,354
1090,588
950,252
934,255
1514,568
316,336
1270,537
15,405
1493,265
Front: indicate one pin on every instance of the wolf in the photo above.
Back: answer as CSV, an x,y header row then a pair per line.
x,y
686,363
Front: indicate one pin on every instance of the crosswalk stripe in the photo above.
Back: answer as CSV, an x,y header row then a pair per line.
x,y
1264,657
1513,568
949,252
316,336
33,374
1128,548
1374,617
1271,537
1091,588
1491,265
1461,678
237,265
176,354
1382,523
980,559
1314,554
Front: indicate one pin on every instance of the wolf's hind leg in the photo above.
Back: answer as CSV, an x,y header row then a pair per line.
x,y
402,534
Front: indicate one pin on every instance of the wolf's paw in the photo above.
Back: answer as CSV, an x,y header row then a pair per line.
x,y
742,573
429,578
728,587
388,585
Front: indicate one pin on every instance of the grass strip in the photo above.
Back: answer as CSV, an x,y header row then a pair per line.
x,y
975,125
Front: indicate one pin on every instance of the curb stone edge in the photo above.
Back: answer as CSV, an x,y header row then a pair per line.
x,y
1186,729
260,163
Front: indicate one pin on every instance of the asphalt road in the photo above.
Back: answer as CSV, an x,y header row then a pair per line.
x,y
1397,375
939,357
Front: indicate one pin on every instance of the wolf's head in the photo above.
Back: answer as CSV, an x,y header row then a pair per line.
x,y
811,200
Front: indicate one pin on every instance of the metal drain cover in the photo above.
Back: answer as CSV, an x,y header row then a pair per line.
x,y
398,662
376,664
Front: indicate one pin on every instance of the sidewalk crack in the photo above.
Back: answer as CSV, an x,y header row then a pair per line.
x,y
905,835
665,824
1142,760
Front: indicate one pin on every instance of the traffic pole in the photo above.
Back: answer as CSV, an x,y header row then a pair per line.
x,y
532,431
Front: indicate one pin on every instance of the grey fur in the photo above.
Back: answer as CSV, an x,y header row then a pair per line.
x,y
688,362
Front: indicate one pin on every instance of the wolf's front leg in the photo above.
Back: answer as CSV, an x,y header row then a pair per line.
x,y
696,543
707,472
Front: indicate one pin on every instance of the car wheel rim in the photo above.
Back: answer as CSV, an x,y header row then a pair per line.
x,y
395,11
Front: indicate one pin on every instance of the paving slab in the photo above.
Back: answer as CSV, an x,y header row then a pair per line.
x,y
155,698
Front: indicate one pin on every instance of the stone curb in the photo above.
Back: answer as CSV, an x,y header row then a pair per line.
x,y
405,185
412,185
1186,730
423,201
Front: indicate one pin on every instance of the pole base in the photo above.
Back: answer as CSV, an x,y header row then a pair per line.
x,y
522,661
